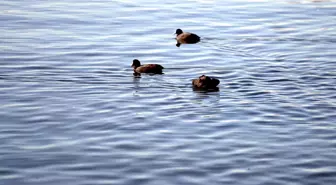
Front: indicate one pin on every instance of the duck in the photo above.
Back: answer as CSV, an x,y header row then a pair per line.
x,y
146,68
205,82
186,38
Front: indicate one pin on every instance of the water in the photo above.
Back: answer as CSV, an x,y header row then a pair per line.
x,y
72,113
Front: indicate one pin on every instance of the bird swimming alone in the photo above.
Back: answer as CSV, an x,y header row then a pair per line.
x,y
205,83
146,68
186,38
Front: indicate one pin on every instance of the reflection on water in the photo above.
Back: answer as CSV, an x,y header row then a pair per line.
x,y
72,111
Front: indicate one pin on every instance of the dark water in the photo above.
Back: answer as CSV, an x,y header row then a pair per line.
x,y
71,111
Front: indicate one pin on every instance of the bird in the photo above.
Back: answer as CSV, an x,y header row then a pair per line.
x,y
186,38
205,82
146,68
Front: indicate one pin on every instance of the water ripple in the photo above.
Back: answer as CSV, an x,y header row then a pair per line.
x,y
72,112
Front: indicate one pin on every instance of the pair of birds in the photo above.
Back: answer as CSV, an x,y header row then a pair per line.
x,y
203,82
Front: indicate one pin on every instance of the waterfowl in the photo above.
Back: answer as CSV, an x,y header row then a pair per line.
x,y
147,68
205,82
186,38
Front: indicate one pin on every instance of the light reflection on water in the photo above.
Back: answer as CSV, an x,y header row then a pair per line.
x,y
72,111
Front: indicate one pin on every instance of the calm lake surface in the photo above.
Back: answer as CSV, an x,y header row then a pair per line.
x,y
71,111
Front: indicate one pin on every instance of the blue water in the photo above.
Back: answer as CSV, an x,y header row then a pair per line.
x,y
71,111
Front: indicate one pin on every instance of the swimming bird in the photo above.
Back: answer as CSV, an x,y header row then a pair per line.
x,y
186,38
205,82
147,68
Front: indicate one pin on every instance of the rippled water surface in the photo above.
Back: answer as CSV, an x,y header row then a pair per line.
x,y
71,111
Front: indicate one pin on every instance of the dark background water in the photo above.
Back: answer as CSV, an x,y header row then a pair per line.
x,y
71,111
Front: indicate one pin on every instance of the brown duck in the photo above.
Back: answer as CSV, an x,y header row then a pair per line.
x,y
147,68
186,38
205,82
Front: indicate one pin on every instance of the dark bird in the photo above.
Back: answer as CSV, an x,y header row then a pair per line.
x,y
146,68
205,83
186,38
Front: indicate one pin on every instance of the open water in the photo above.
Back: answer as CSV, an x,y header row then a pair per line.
x,y
71,111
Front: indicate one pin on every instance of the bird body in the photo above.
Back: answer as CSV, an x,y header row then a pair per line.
x,y
146,68
205,82
186,38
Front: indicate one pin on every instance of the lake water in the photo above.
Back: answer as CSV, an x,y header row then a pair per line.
x,y
71,111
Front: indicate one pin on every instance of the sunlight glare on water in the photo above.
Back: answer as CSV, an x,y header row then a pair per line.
x,y
71,111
